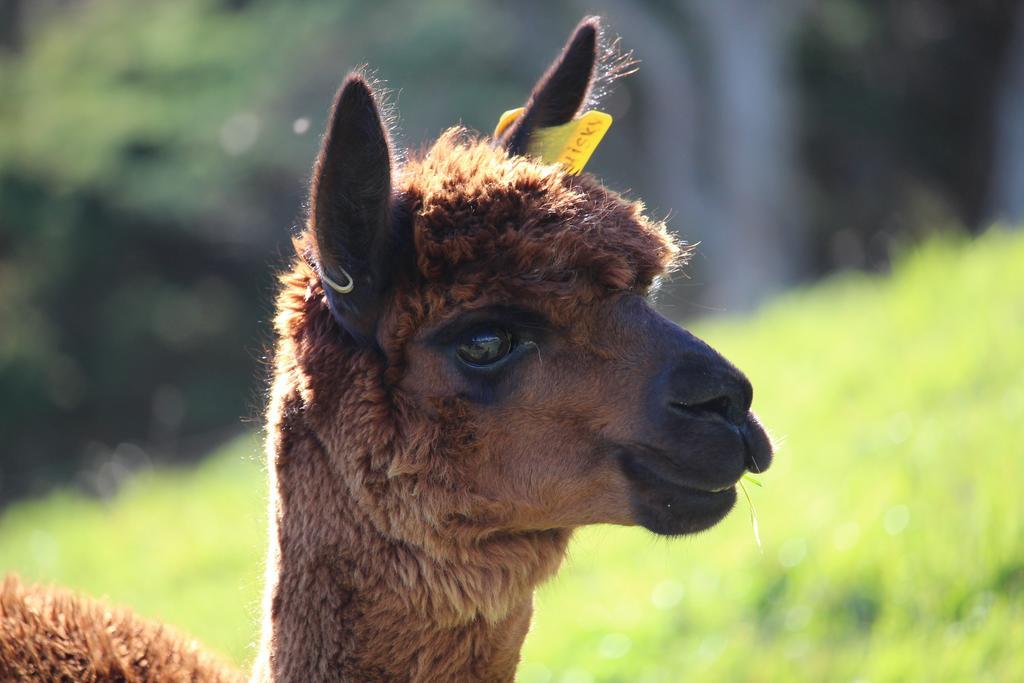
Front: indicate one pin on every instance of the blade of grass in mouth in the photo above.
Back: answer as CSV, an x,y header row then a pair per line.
x,y
753,514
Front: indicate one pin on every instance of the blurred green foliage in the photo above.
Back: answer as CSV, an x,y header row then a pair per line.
x,y
892,522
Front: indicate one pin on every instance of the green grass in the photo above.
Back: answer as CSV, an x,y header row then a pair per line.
x,y
892,521
183,546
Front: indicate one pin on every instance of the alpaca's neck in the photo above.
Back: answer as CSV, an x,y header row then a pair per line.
x,y
319,627
344,601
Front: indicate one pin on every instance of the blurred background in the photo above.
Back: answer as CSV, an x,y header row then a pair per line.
x,y
154,156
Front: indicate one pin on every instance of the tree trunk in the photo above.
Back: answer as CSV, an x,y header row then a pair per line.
x,y
11,16
757,246
1006,200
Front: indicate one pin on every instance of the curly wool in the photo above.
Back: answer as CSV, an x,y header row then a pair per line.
x,y
51,634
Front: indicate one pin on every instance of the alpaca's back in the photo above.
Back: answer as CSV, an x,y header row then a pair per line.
x,y
51,634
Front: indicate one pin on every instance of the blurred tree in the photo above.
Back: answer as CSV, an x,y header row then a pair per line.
x,y
1006,198
759,236
10,24
898,120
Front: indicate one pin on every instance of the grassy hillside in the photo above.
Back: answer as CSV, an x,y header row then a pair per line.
x,y
892,521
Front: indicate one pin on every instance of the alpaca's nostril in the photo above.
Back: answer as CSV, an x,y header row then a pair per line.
x,y
720,406
704,385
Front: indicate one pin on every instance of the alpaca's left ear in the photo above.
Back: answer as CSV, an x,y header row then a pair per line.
x,y
563,89
353,213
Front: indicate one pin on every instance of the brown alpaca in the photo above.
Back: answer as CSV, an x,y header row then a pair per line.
x,y
467,370
55,635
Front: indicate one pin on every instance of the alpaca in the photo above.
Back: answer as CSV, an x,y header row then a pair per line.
x,y
55,635
467,369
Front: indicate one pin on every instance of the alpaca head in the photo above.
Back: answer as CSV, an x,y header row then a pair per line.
x,y
471,339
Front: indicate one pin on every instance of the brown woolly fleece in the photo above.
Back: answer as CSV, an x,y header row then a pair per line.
x,y
49,634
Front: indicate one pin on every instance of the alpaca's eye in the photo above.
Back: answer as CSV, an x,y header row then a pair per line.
x,y
485,346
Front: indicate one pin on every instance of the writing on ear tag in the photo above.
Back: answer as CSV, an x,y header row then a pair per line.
x,y
570,144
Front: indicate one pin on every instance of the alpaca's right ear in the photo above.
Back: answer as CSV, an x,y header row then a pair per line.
x,y
351,210
563,89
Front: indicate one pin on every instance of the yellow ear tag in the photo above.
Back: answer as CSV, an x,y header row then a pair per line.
x,y
570,144
506,120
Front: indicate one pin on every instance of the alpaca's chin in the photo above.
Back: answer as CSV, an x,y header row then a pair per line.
x,y
669,508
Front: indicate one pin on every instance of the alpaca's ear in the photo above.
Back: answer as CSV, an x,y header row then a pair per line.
x,y
563,89
351,210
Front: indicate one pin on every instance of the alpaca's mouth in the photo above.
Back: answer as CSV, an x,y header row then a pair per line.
x,y
673,495
671,508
